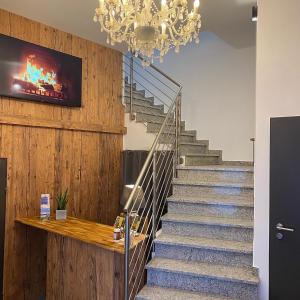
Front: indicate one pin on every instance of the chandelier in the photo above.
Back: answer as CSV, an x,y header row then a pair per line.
x,y
148,27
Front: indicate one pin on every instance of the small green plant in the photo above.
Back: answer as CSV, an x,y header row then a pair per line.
x,y
62,200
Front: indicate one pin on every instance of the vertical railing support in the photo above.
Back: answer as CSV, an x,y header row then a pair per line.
x,y
154,200
131,88
179,126
177,134
127,253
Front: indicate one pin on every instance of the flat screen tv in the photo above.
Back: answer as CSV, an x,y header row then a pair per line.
x,y
35,73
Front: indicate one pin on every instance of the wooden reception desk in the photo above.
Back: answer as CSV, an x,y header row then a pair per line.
x,y
83,260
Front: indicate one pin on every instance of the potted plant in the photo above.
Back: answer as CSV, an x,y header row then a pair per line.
x,y
62,201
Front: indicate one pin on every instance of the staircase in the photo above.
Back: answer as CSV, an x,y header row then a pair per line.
x,y
204,250
194,152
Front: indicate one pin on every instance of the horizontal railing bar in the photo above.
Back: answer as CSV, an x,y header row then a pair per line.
x,y
133,205
142,214
142,229
155,77
146,164
145,176
143,256
153,85
154,95
164,74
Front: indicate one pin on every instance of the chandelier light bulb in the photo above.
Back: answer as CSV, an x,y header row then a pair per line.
x,y
196,4
163,28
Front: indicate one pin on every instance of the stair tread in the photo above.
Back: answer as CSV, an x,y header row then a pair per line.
x,y
205,243
218,168
246,275
196,143
148,106
202,154
162,293
212,183
161,114
208,220
225,200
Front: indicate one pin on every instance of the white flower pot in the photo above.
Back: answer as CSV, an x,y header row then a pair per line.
x,y
61,214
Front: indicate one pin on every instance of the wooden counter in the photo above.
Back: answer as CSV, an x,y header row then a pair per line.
x,y
82,261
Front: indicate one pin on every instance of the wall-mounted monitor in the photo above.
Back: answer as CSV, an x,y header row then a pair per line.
x,y
34,73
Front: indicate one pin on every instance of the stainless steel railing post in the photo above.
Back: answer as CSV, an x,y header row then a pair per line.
x,y
131,88
177,135
127,252
179,126
154,200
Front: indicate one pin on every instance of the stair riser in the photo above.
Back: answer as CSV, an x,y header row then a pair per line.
x,y
138,101
202,161
170,138
203,255
140,117
214,210
203,284
155,128
208,231
139,94
193,149
198,190
187,139
144,109
216,176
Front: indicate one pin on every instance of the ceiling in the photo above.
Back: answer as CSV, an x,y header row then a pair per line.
x,y
229,19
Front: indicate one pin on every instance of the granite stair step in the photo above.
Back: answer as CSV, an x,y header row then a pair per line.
x,y
229,206
217,279
185,136
208,226
149,117
139,93
211,158
209,250
217,173
140,108
156,292
198,188
225,200
193,148
139,101
138,98
154,127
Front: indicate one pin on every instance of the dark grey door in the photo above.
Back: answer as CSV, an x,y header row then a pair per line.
x,y
285,209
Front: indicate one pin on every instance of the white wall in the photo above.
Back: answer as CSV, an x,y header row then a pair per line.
x,y
218,93
137,137
277,94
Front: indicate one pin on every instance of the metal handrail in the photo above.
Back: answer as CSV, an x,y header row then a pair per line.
x,y
155,199
152,75
150,154
162,73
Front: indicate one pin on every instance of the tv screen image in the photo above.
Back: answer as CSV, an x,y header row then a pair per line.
x,y
35,73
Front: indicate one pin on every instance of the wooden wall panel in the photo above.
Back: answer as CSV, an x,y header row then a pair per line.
x,y
50,148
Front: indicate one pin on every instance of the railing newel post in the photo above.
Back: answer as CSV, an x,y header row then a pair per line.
x,y
131,88
154,200
127,253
